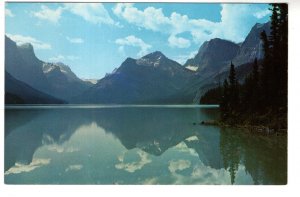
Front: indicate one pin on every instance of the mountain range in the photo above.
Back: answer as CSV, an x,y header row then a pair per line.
x,y
152,79
149,79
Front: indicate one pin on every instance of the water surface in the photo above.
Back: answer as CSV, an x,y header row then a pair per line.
x,y
135,145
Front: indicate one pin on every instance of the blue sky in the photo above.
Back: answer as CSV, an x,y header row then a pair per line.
x,y
93,39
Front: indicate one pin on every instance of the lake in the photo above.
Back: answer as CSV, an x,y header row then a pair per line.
x,y
135,145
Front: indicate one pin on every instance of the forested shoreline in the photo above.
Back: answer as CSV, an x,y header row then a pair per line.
x,y
262,98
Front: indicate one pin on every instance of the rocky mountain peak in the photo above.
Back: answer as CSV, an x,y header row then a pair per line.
x,y
251,48
213,56
26,46
154,59
154,56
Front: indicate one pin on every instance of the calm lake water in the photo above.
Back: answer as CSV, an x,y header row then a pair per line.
x,y
135,145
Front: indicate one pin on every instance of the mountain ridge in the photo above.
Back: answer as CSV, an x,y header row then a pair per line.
x,y
217,53
151,79
18,92
22,63
143,80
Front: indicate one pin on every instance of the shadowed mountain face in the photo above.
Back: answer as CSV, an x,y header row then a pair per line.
x,y
63,81
22,64
55,79
18,92
149,79
197,85
213,56
211,76
251,48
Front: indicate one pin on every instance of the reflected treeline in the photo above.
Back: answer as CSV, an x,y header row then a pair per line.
x,y
264,157
153,130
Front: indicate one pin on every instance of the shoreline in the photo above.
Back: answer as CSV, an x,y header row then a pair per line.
x,y
259,129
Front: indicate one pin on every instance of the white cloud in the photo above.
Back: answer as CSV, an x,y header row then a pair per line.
x,y
182,147
75,40
92,12
60,58
20,39
262,13
150,181
236,21
178,42
57,58
60,149
233,19
134,42
72,57
121,51
20,168
48,14
192,138
154,19
76,167
179,165
182,58
151,18
8,12
206,175
133,166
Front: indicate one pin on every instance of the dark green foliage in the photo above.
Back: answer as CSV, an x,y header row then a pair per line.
x,y
233,89
283,54
230,95
266,71
250,90
212,96
276,59
224,105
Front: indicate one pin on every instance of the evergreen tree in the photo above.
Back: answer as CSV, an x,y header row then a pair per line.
x,y
275,63
283,47
264,92
265,72
225,100
255,86
274,34
212,96
250,90
255,72
233,89
247,94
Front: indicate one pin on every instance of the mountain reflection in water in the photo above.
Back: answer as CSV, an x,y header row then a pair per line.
x,y
136,145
